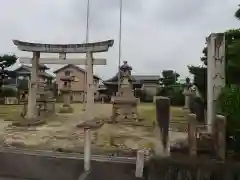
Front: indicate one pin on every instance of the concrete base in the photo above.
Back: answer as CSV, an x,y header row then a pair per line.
x,y
24,165
66,109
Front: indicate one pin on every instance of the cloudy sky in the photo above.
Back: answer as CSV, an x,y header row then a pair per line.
x,y
156,34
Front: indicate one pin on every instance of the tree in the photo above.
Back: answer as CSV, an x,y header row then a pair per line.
x,y
232,62
6,61
237,13
169,77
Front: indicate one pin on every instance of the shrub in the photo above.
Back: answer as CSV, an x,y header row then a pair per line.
x,y
8,92
177,99
175,95
229,106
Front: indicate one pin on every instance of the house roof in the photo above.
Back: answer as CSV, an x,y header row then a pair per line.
x,y
136,78
28,69
146,77
75,67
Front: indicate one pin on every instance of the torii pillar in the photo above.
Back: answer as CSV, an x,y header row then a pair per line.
x,y
31,112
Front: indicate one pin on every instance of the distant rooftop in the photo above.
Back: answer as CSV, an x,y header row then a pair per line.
x,y
137,78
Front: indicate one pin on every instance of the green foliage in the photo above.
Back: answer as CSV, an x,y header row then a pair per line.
x,y
169,77
8,92
177,99
174,93
237,13
204,58
229,106
6,61
200,79
232,63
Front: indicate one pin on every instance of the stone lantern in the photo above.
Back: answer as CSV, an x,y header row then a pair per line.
x,y
187,93
66,92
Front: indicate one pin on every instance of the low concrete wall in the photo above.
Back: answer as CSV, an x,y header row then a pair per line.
x,y
185,167
25,166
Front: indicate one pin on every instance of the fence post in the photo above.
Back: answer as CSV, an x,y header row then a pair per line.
x,y
221,136
87,149
163,119
192,134
139,164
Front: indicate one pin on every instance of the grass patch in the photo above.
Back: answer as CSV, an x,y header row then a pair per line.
x,y
148,112
10,111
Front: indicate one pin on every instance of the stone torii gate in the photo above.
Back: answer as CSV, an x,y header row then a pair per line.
x,y
62,50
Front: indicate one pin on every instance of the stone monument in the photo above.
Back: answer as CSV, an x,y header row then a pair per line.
x,y
66,94
125,103
215,73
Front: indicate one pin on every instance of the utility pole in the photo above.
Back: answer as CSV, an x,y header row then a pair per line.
x,y
87,41
120,42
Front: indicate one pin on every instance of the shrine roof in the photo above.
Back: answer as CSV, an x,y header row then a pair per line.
x,y
102,46
74,67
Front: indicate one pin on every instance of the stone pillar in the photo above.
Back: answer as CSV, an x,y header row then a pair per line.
x,y
90,88
163,119
87,149
215,74
32,97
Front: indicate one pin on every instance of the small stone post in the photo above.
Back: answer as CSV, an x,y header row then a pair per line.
x,y
139,164
163,119
192,122
32,97
87,149
221,137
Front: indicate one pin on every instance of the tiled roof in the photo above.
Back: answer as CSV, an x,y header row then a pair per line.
x,y
28,68
137,78
146,77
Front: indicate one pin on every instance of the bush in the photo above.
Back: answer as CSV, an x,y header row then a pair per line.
x,y
8,92
229,106
175,95
177,99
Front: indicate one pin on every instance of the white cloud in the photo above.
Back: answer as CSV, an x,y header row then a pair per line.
x,y
157,34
